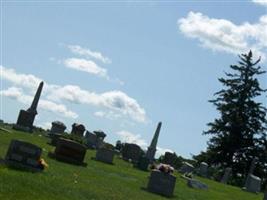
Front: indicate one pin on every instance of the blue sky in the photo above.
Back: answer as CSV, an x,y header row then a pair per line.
x,y
123,67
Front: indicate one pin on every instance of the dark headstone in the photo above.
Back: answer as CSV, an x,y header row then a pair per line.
x,y
78,129
265,194
186,168
203,169
54,138
169,158
57,127
24,155
69,151
161,183
93,141
105,155
253,184
131,151
143,163
226,175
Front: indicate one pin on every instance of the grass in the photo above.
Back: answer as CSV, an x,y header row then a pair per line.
x,y
97,181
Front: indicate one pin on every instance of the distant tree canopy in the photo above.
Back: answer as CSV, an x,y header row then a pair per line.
x,y
239,133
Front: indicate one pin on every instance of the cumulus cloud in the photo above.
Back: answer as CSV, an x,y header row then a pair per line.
x,y
85,66
260,2
78,50
129,137
107,114
17,94
114,100
117,102
45,125
224,35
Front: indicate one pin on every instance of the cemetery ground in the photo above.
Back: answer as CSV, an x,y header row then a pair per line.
x,y
96,181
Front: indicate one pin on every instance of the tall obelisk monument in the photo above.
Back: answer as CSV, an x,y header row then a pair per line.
x,y
26,117
151,150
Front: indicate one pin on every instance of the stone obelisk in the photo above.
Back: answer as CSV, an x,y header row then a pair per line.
x,y
26,117
151,150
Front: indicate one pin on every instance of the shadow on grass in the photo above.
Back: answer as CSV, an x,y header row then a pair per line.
x,y
169,197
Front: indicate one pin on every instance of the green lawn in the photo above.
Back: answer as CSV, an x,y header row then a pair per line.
x,y
97,181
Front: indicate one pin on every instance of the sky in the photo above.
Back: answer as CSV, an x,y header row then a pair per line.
x,y
123,66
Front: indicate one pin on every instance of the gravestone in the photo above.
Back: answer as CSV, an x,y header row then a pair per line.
x,y
265,194
54,138
186,168
131,151
24,155
143,163
95,140
253,184
203,169
69,151
161,183
57,127
169,158
105,155
226,175
77,129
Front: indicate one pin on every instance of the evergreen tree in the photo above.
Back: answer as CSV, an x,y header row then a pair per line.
x,y
239,134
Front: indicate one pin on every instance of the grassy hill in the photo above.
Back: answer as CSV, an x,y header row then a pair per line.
x,y
97,181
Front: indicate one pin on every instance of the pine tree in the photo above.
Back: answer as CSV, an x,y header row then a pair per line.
x,y
239,134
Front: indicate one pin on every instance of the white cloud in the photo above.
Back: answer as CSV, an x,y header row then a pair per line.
x,y
224,35
17,94
161,151
108,115
45,125
260,2
85,66
76,49
129,137
116,101
28,81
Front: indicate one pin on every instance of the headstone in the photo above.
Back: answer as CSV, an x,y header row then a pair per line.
x,y
169,158
105,155
131,151
69,151
26,117
186,168
54,138
203,169
93,140
57,127
77,129
253,184
265,194
196,184
143,163
226,176
161,183
24,155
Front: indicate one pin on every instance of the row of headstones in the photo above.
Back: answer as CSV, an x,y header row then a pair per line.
x,y
27,156
253,183
93,140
